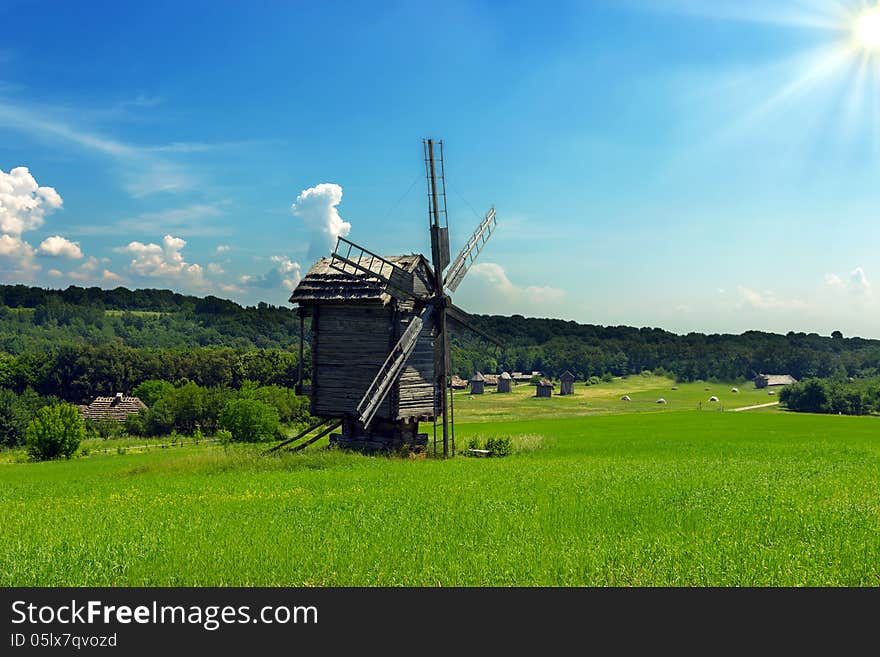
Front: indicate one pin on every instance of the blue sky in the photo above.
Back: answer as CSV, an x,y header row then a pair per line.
x,y
690,165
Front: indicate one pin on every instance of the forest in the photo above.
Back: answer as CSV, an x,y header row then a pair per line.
x,y
80,342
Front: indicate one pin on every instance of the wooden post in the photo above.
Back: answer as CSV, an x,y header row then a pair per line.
x,y
299,385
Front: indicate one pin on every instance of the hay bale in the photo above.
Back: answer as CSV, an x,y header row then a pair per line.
x,y
660,401
734,390
625,398
713,398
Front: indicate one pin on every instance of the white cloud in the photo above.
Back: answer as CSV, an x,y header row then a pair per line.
x,y
60,246
857,283
316,206
287,274
750,299
222,248
215,269
24,203
163,261
145,171
110,276
193,219
494,275
23,207
55,273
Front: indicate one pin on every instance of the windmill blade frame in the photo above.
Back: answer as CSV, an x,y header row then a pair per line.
x,y
391,368
357,260
470,251
465,320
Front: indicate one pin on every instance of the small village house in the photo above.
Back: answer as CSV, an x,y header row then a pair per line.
x,y
113,409
767,380
478,383
544,388
504,381
566,383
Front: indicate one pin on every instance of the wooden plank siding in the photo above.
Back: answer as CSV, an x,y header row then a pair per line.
x,y
353,343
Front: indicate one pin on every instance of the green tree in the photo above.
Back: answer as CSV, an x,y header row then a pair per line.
x,y
150,391
249,420
55,432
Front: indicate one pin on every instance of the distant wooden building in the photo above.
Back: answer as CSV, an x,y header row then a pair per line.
x,y
544,388
766,380
566,383
113,409
490,379
504,381
478,383
458,383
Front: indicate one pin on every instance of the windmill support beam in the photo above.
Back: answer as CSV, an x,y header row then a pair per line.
x,y
381,436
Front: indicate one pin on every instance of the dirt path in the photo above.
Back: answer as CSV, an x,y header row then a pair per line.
x,y
749,408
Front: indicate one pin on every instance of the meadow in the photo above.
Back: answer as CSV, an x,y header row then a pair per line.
x,y
600,492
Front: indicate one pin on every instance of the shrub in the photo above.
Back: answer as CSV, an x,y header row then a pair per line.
x,y
223,436
56,431
249,420
499,445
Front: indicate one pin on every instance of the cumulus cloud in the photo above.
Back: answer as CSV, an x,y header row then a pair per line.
x,y
215,268
494,275
24,203
23,207
162,260
286,274
58,246
316,206
110,277
222,248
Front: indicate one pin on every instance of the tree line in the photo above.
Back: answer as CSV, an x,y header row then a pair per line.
x,y
844,397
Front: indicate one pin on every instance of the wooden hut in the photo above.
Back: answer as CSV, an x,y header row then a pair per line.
x,y
544,388
766,380
490,380
566,383
113,409
478,383
504,381
354,324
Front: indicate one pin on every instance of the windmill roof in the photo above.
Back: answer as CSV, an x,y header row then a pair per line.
x,y
478,377
566,375
324,284
505,375
545,383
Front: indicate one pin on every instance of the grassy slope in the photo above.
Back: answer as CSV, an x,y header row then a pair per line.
x,y
666,498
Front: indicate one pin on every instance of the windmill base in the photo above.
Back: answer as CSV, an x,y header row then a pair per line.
x,y
382,436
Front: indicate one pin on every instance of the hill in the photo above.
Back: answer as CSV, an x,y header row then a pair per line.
x,y
97,341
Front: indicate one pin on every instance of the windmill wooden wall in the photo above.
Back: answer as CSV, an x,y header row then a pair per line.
x,y
354,327
478,384
504,382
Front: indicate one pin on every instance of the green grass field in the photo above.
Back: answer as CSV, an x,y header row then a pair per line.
x,y
597,495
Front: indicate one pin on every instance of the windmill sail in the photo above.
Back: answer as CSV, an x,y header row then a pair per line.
x,y
350,258
465,320
470,251
391,369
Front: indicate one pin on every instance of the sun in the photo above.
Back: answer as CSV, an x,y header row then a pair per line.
x,y
866,29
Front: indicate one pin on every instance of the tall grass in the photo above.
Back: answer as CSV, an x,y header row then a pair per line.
x,y
638,499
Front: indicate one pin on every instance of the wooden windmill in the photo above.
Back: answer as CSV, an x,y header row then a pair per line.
x,y
380,341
